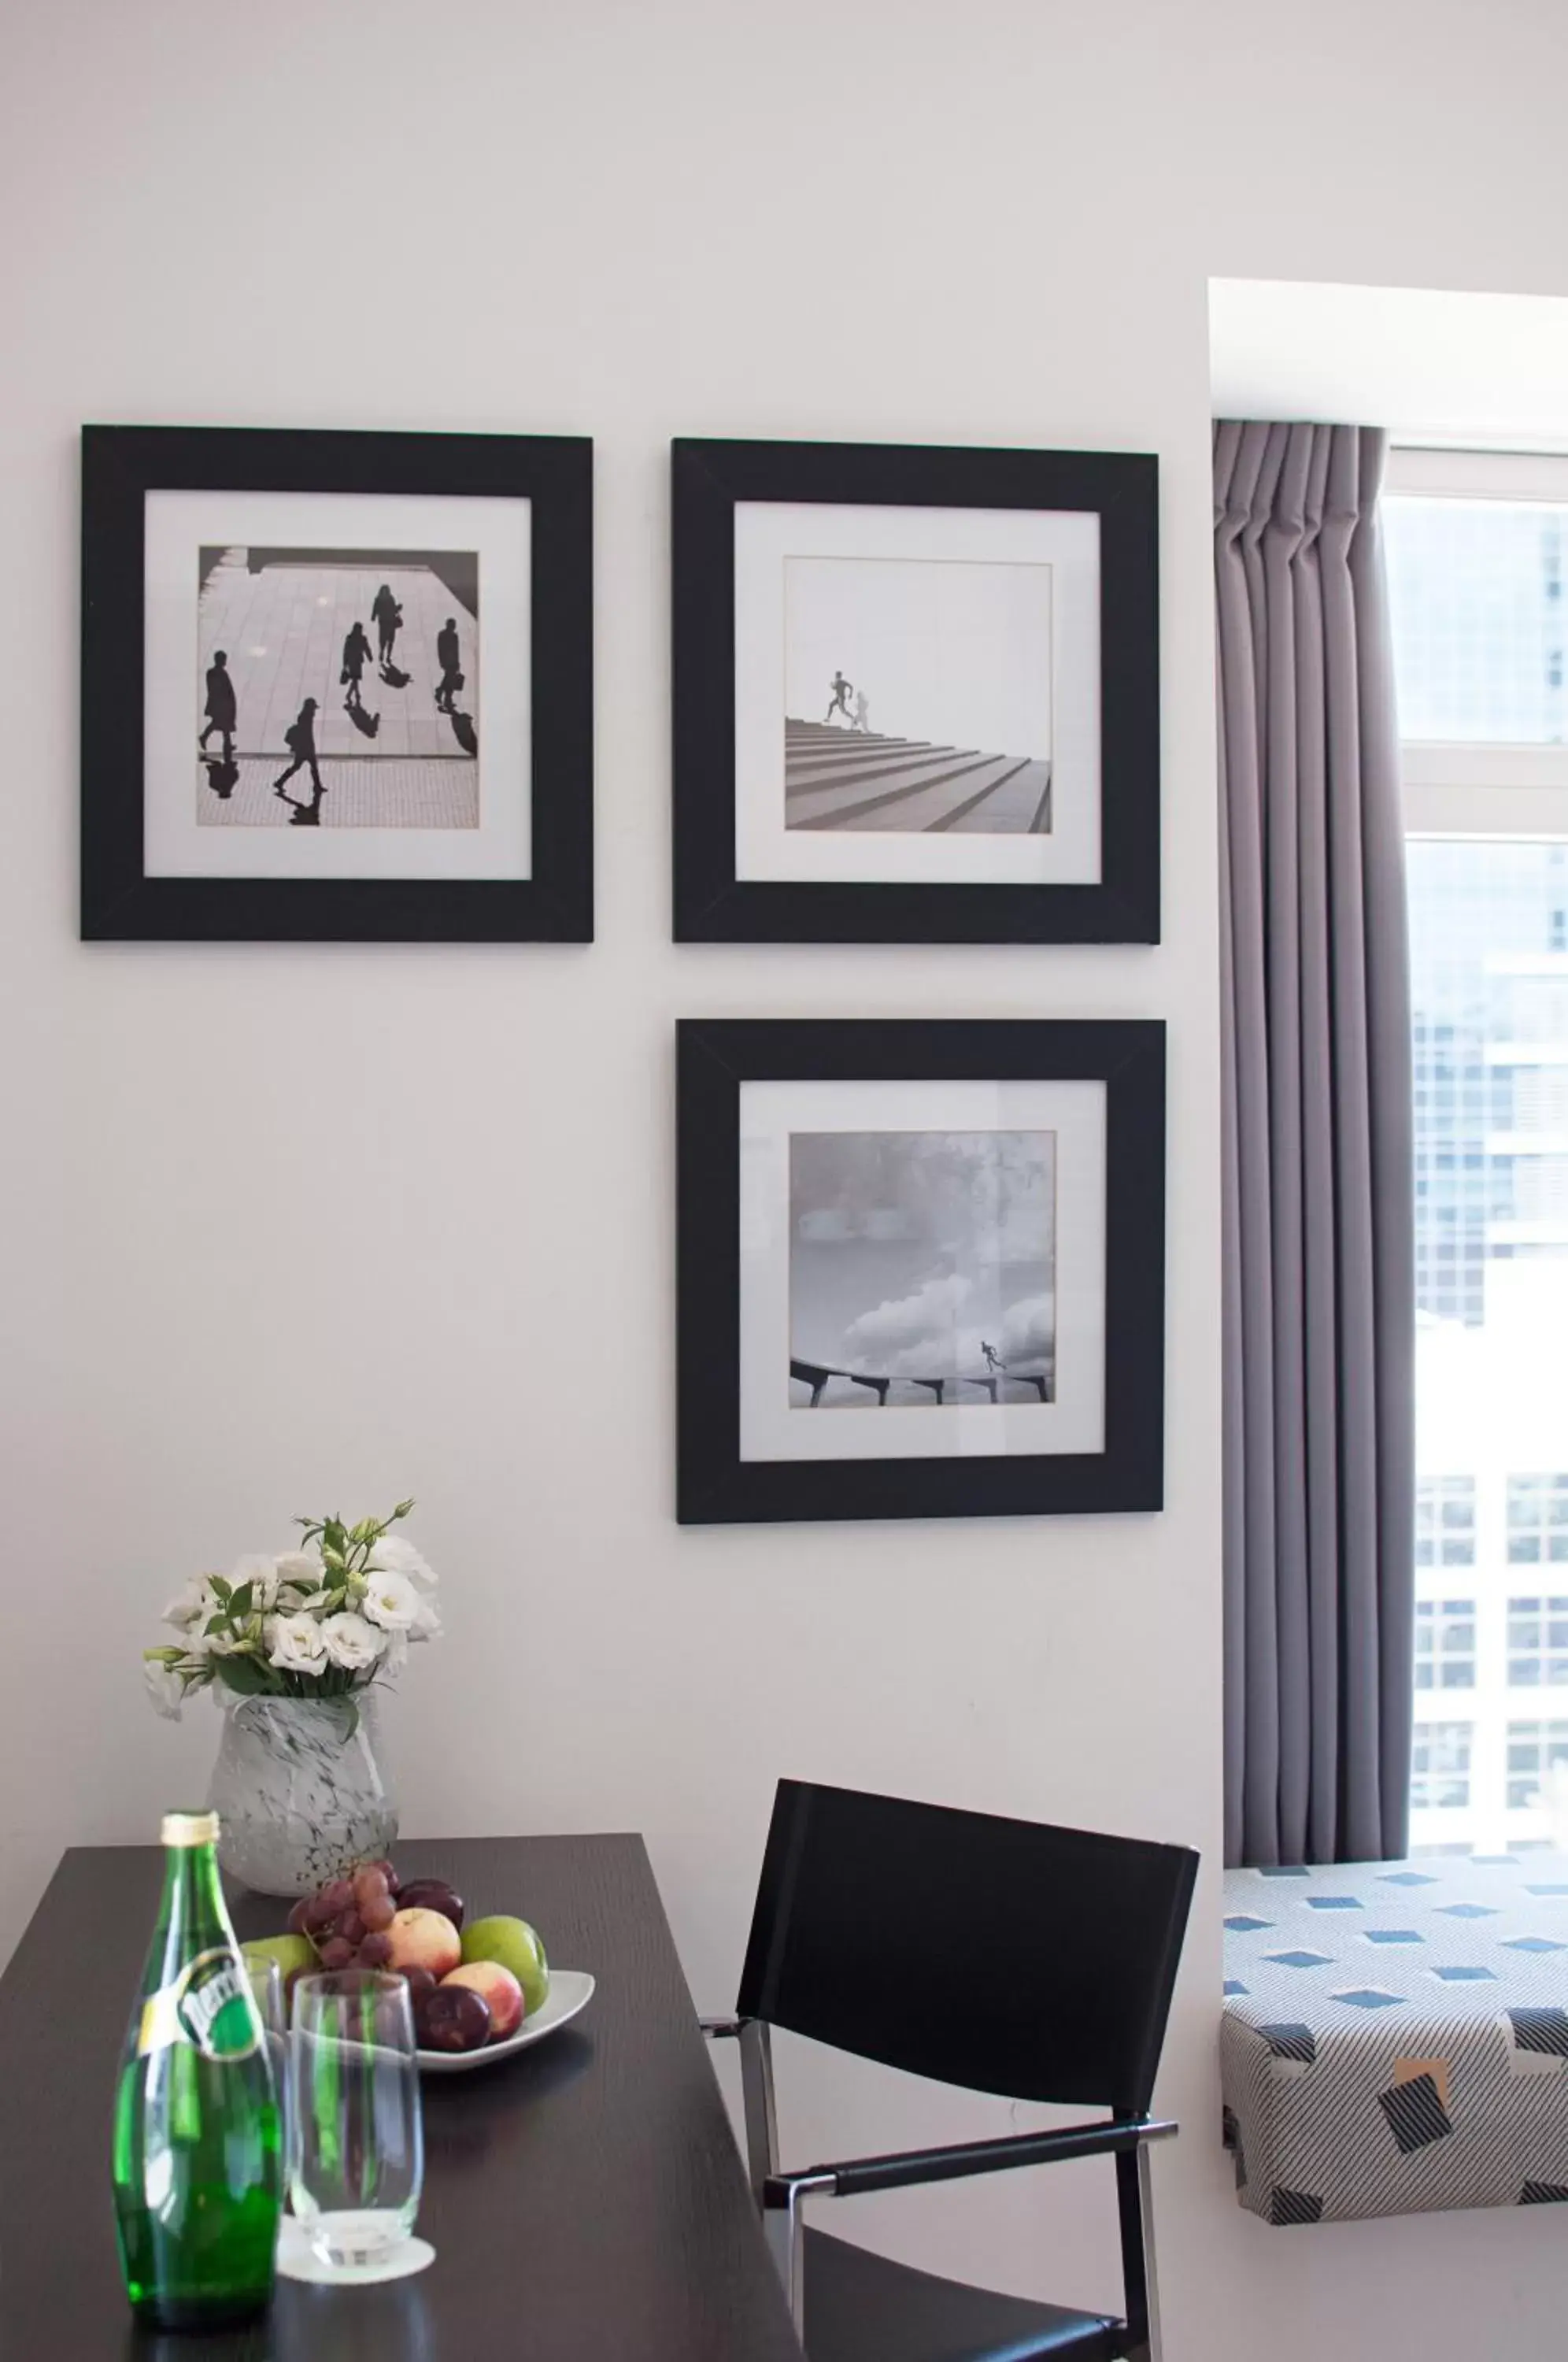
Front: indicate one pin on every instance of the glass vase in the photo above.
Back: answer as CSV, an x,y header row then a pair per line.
x,y
299,1791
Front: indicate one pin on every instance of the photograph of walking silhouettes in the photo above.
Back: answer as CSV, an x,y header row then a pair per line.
x,y
920,1267
916,694
326,726
336,686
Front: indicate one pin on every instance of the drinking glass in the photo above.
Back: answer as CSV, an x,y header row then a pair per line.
x,y
266,1991
357,2149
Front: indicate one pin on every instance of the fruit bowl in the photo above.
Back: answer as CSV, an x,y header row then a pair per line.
x,y
478,1988
571,1989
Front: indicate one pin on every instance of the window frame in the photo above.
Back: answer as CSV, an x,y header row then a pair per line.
x,y
1481,789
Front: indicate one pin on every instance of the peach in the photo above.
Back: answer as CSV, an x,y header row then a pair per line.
x,y
423,1939
500,1989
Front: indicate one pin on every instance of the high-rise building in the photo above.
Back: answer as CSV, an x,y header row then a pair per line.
x,y
1477,589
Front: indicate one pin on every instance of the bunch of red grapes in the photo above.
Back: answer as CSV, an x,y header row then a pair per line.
x,y
349,1921
347,1918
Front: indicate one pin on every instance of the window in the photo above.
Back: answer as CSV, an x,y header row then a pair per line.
x,y
1445,1522
1533,1749
1445,1644
1537,1520
1441,1768
1537,1643
1477,549
1476,591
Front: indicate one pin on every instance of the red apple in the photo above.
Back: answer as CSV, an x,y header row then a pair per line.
x,y
500,1989
423,1939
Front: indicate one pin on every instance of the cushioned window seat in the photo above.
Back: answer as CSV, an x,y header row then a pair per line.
x,y
1395,2038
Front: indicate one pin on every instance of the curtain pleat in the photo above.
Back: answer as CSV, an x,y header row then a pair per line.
x,y
1318,1304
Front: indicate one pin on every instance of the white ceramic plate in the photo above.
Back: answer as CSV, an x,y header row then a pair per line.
x,y
570,1989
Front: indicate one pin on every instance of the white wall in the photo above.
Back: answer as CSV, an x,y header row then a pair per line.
x,y
292,1226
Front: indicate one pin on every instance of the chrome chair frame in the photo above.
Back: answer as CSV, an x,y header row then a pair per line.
x,y
780,2196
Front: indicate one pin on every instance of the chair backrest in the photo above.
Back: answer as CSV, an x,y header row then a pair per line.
x,y
1004,1956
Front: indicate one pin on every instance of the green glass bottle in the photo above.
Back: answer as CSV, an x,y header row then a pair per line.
x,y
197,2163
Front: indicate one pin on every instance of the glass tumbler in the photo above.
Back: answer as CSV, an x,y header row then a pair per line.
x,y
357,2150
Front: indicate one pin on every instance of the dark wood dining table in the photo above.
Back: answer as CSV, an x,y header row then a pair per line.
x,y
585,2197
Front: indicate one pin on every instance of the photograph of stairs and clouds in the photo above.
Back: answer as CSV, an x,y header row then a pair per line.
x,y
918,695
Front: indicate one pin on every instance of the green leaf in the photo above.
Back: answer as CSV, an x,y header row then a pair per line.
x,y
239,1601
218,1623
221,1588
243,1675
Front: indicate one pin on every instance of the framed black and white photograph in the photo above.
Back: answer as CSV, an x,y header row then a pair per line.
x,y
916,694
336,686
920,1268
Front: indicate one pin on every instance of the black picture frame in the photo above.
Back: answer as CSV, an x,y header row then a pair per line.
x,y
712,905
714,1057
120,464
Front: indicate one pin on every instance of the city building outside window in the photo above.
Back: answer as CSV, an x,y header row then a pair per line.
x,y
1440,1770
1533,1749
1445,1644
1477,549
1537,1520
1538,1644
1445,1522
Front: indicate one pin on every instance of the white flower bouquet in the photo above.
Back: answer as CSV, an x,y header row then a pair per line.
x,y
316,1622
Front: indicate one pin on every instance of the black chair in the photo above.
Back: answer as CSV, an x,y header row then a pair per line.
x,y
1067,1945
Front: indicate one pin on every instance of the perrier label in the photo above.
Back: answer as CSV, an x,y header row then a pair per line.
x,y
197,2171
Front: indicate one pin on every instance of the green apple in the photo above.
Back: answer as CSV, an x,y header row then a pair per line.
x,y
295,1956
517,1947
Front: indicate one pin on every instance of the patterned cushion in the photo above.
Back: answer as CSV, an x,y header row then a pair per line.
x,y
1395,2039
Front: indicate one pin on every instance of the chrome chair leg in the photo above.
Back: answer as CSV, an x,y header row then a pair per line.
x,y
757,2103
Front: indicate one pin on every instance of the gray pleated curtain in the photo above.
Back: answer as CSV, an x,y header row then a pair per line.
x,y
1319,1300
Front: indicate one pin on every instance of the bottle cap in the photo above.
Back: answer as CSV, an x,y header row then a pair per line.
x,y
190,1828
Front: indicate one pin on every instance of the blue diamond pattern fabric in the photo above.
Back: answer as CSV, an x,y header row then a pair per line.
x,y
1436,2077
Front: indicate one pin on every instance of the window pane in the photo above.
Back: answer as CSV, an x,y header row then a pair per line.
x,y
1476,590
1489,992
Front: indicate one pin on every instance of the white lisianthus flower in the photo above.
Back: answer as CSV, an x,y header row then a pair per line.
x,y
299,1569
394,1655
391,1601
351,1641
426,1625
260,1570
295,1644
396,1555
195,1603
163,1688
